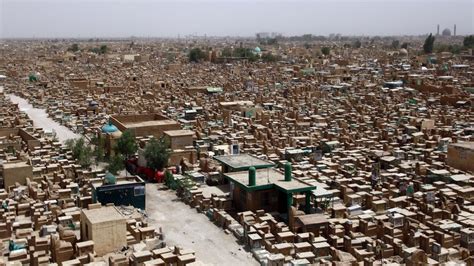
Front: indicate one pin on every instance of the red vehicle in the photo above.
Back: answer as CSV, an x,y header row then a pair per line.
x,y
147,173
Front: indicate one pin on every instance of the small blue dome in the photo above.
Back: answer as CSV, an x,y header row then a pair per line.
x,y
257,49
109,128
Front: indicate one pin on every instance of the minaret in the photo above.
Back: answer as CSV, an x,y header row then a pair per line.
x,y
437,32
454,30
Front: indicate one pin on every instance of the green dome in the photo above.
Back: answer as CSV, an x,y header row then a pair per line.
x,y
257,49
109,128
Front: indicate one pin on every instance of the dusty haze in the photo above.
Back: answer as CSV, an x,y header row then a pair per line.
x,y
166,18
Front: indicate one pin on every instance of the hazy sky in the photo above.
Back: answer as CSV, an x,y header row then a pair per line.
x,y
168,18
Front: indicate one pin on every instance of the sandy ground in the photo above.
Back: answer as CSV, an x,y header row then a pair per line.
x,y
185,227
40,119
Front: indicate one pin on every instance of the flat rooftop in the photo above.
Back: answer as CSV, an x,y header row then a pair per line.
x,y
17,164
269,178
142,120
235,103
179,133
312,219
103,214
119,181
149,123
219,191
464,144
243,161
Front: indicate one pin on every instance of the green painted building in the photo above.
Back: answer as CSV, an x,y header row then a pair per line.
x,y
255,184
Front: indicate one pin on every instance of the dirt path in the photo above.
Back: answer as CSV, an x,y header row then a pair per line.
x,y
40,119
185,227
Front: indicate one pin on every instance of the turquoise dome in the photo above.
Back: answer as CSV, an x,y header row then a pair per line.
x,y
257,49
109,128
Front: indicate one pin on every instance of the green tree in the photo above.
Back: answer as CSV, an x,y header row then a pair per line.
x,y
395,44
405,45
469,41
429,43
325,50
169,180
80,151
116,164
99,149
245,53
69,143
74,47
103,49
157,153
455,48
357,44
452,48
226,52
268,57
196,55
272,41
126,144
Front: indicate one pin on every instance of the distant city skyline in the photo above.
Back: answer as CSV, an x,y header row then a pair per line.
x,y
165,18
